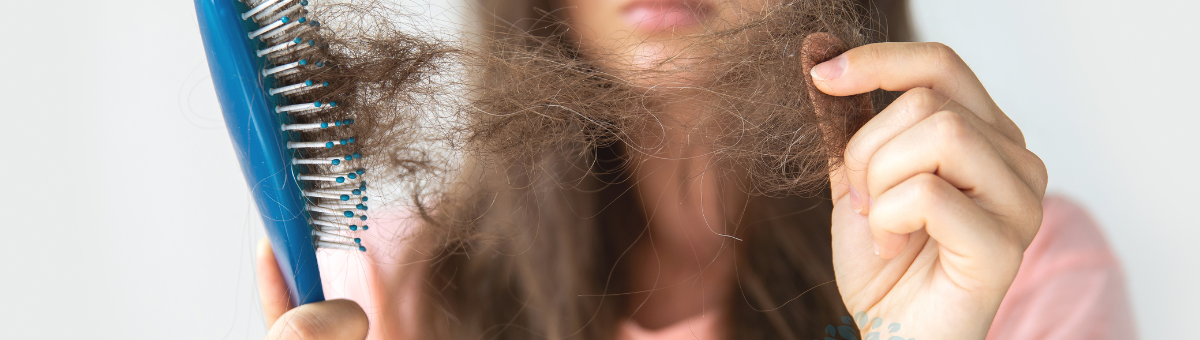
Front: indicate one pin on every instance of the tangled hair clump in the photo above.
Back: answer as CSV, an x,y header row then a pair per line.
x,y
417,111
756,106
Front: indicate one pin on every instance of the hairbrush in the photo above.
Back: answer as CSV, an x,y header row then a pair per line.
x,y
298,161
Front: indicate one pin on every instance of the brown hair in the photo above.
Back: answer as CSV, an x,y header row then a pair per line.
x,y
530,239
527,238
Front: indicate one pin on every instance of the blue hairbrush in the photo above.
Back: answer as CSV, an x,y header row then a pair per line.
x,y
259,54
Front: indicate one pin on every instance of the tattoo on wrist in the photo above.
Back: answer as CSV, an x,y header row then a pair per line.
x,y
862,323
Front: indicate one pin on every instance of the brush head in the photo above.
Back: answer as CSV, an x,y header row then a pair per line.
x,y
297,153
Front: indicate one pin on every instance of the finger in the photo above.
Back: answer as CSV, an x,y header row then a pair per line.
x,y
906,111
901,67
947,145
272,289
325,320
904,66
969,239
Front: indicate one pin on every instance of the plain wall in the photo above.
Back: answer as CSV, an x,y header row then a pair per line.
x,y
127,217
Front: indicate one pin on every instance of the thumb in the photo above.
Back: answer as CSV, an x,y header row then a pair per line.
x,y
325,320
839,117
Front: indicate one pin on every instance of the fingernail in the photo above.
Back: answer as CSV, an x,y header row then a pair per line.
x,y
876,247
855,200
829,70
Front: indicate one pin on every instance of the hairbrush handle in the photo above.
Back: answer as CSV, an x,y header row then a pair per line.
x,y
261,147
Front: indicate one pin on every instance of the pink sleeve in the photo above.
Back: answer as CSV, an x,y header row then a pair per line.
x,y
1070,285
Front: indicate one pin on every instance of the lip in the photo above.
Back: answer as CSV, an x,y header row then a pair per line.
x,y
663,15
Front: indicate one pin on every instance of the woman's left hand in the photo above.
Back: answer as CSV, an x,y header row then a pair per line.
x,y
937,200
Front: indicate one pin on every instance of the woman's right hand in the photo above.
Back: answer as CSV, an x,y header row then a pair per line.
x,y
326,320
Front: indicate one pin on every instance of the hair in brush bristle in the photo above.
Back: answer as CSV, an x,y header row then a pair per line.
x,y
345,100
380,79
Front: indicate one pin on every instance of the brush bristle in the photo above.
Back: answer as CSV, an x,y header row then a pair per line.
x,y
330,175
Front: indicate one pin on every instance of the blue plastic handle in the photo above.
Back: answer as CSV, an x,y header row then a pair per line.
x,y
261,148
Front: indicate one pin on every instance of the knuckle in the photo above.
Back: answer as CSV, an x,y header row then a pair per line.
x,y
1023,220
1041,176
1019,237
922,101
953,130
929,189
941,54
1035,224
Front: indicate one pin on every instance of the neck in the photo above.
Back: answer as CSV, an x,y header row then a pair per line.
x,y
684,268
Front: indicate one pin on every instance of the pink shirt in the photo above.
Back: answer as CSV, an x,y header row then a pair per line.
x,y
1070,286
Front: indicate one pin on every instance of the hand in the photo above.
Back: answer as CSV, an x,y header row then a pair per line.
x,y
937,199
326,320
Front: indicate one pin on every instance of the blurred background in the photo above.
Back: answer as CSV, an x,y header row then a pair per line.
x,y
112,126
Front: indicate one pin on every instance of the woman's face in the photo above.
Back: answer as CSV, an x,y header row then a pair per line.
x,y
640,33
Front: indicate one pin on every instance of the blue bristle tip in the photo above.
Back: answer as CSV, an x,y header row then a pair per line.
x,y
351,139
303,2
353,227
349,157
302,20
362,249
364,218
351,175
325,125
348,214
303,61
365,227
326,84
332,104
356,155
284,19
357,240
336,162
360,171
345,197
342,142
364,198
341,180
328,144
318,103
297,40
308,82
356,192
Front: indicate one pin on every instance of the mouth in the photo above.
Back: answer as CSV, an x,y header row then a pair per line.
x,y
664,15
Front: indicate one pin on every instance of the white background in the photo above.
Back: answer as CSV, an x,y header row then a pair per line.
x,y
127,217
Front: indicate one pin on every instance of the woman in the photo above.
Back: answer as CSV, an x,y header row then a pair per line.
x,y
934,211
